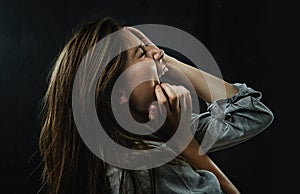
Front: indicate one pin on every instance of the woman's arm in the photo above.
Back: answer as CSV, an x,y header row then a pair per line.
x,y
203,162
208,87
167,95
235,114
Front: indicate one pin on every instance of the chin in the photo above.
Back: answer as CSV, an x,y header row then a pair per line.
x,y
139,112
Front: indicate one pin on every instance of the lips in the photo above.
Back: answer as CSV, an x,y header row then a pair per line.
x,y
161,68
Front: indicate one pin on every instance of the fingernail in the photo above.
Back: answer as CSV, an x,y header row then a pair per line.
x,y
156,56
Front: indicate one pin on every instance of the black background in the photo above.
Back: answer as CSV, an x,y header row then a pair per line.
x,y
237,33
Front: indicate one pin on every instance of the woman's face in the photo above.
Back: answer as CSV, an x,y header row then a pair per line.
x,y
141,68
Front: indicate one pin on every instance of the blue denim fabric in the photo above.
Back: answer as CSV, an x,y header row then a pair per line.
x,y
226,123
232,121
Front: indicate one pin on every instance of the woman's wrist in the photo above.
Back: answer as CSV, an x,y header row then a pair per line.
x,y
169,61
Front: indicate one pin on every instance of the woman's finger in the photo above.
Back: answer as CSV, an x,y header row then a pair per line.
x,y
172,97
159,54
162,99
185,99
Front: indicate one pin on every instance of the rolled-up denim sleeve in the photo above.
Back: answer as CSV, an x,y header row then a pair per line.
x,y
231,121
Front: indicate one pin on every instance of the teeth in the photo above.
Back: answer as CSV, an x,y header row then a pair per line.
x,y
164,70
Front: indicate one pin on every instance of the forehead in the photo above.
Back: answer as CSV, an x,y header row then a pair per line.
x,y
128,38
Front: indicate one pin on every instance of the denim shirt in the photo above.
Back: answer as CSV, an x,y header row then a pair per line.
x,y
226,123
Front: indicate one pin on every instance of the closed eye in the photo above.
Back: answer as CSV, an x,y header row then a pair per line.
x,y
143,54
140,52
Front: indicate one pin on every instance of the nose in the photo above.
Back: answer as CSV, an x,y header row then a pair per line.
x,y
151,50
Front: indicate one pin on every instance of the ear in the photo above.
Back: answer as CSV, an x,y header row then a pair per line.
x,y
123,98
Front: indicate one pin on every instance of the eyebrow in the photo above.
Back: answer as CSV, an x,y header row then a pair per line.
x,y
136,50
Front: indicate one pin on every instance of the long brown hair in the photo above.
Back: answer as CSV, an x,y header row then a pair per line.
x,y
69,166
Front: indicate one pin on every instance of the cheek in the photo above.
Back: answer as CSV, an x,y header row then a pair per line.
x,y
142,96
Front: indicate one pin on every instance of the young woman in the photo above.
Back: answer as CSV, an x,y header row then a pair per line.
x,y
69,165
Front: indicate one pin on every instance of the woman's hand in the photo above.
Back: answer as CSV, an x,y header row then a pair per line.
x,y
178,105
169,95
